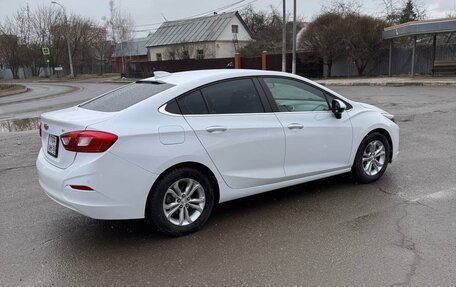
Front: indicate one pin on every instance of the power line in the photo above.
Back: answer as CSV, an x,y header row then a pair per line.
x,y
200,14
238,7
220,9
217,9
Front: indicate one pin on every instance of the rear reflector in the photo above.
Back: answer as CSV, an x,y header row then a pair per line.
x,y
87,141
81,187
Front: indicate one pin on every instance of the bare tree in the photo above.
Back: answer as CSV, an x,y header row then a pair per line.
x,y
344,31
325,35
363,40
15,41
451,14
27,31
44,19
102,47
9,51
343,7
401,11
120,24
266,27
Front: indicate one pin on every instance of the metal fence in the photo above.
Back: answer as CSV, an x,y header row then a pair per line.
x,y
307,64
401,61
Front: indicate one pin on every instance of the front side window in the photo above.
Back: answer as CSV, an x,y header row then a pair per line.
x,y
295,96
231,97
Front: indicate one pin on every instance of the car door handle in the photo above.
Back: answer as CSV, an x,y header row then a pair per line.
x,y
215,129
295,126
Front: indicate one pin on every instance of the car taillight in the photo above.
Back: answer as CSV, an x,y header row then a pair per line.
x,y
87,141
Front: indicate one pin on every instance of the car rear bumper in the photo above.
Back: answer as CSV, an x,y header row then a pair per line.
x,y
120,189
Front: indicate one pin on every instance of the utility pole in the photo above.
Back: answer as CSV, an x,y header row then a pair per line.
x,y
293,64
68,38
284,38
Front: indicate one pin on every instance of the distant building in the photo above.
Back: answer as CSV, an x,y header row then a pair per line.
x,y
131,51
215,36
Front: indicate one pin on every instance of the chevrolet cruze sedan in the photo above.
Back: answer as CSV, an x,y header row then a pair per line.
x,y
169,147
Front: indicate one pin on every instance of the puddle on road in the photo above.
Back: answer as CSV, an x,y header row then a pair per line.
x,y
19,125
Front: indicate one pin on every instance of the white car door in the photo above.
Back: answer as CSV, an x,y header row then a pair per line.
x,y
316,142
244,140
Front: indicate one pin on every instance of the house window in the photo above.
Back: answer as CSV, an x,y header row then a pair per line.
x,y
185,54
234,29
200,54
172,55
158,56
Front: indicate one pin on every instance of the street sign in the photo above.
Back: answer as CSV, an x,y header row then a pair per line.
x,y
46,51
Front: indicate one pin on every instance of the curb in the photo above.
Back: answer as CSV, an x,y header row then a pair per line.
x,y
15,92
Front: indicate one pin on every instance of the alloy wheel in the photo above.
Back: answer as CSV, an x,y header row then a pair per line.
x,y
374,157
184,202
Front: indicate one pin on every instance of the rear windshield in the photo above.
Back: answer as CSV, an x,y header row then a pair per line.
x,y
126,96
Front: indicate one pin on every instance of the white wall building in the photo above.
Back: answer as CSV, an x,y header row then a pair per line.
x,y
216,36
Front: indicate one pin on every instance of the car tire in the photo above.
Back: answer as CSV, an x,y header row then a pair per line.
x,y
371,161
175,213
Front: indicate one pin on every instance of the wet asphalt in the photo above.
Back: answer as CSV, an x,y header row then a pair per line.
x,y
398,231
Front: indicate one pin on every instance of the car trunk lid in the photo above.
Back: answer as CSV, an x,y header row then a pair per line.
x,y
54,124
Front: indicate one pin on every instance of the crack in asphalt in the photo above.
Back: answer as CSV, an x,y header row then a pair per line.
x,y
16,167
407,243
425,205
385,191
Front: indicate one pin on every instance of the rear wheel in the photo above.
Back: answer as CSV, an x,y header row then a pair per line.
x,y
371,158
181,202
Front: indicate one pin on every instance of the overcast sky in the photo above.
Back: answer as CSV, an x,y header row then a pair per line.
x,y
153,11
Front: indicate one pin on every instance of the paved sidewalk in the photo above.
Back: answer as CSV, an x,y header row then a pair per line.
x,y
391,81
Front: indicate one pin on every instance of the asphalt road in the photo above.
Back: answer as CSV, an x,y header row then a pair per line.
x,y
398,231
44,97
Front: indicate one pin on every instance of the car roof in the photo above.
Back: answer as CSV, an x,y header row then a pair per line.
x,y
199,76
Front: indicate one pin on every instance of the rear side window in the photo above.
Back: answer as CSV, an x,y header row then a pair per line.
x,y
192,104
125,97
230,97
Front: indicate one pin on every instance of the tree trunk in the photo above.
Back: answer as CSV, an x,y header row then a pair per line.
x,y
15,72
360,67
329,65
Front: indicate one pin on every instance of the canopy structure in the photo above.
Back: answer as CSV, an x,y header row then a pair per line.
x,y
416,28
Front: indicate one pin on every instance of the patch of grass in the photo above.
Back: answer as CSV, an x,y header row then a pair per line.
x,y
6,88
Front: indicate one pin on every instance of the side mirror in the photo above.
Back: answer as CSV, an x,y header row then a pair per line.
x,y
338,107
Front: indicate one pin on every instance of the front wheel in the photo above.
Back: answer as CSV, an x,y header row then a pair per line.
x,y
371,158
181,202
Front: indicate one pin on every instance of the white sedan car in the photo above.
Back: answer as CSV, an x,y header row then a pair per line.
x,y
169,147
